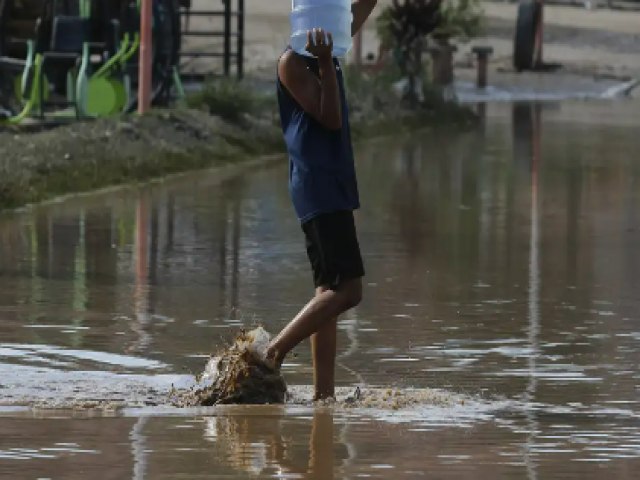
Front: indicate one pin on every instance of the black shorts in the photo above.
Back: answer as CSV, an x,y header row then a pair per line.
x,y
333,249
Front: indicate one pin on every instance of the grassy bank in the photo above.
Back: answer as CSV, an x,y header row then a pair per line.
x,y
223,123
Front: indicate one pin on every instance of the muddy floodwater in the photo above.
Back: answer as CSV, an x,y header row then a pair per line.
x,y
499,332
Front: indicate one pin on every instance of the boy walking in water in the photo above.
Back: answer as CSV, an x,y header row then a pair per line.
x,y
323,188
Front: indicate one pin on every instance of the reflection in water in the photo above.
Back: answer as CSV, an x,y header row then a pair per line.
x,y
139,449
321,446
262,446
141,289
80,299
534,273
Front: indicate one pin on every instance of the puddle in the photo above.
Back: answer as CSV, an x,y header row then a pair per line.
x,y
467,92
500,302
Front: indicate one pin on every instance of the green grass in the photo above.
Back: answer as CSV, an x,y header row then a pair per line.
x,y
230,100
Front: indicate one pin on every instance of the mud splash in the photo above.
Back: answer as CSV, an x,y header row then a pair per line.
x,y
237,375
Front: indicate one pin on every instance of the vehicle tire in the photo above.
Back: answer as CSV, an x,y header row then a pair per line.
x,y
525,35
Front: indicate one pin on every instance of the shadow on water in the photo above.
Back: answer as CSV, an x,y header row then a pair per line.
x,y
502,264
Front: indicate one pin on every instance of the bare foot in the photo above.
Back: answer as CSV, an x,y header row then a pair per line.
x,y
324,398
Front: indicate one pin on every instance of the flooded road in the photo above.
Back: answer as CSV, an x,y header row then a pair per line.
x,y
503,269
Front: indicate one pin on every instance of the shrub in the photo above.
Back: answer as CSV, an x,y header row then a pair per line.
x,y
229,99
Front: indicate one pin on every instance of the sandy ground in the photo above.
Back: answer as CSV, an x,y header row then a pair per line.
x,y
600,19
593,46
593,43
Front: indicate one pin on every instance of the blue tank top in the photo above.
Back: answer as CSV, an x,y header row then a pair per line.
x,y
322,176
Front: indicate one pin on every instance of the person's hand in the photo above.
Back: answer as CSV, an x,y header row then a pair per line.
x,y
318,45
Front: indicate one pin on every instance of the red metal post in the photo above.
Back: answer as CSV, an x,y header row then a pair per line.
x,y
144,70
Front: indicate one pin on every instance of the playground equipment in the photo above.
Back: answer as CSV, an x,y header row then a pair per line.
x,y
231,14
78,58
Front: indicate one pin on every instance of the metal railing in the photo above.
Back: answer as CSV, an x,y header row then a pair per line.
x,y
228,32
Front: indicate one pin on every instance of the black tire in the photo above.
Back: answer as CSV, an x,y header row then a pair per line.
x,y
525,36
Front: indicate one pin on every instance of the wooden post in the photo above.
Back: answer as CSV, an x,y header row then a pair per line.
x,y
144,67
357,48
442,62
482,53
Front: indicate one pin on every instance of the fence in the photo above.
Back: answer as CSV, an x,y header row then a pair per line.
x,y
218,41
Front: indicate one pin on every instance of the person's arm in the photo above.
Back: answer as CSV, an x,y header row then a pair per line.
x,y
320,98
361,9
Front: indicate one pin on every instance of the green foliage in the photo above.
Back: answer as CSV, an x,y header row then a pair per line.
x,y
460,18
230,99
361,85
375,109
403,27
384,27
404,21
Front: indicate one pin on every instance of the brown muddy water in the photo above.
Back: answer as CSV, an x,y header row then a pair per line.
x,y
501,303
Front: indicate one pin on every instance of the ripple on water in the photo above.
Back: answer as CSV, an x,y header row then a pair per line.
x,y
56,451
58,356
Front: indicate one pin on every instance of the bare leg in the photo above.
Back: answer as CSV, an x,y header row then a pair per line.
x,y
323,308
323,350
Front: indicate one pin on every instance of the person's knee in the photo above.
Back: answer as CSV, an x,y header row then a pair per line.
x,y
356,296
352,292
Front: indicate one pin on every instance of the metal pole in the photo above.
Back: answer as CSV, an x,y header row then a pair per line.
x,y
144,68
227,37
240,52
537,61
482,71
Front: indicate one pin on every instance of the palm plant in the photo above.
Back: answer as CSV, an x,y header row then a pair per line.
x,y
459,18
403,27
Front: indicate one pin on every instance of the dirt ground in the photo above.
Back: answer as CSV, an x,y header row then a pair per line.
x,y
600,44
588,42
83,156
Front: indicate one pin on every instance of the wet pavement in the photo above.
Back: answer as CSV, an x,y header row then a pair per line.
x,y
502,270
